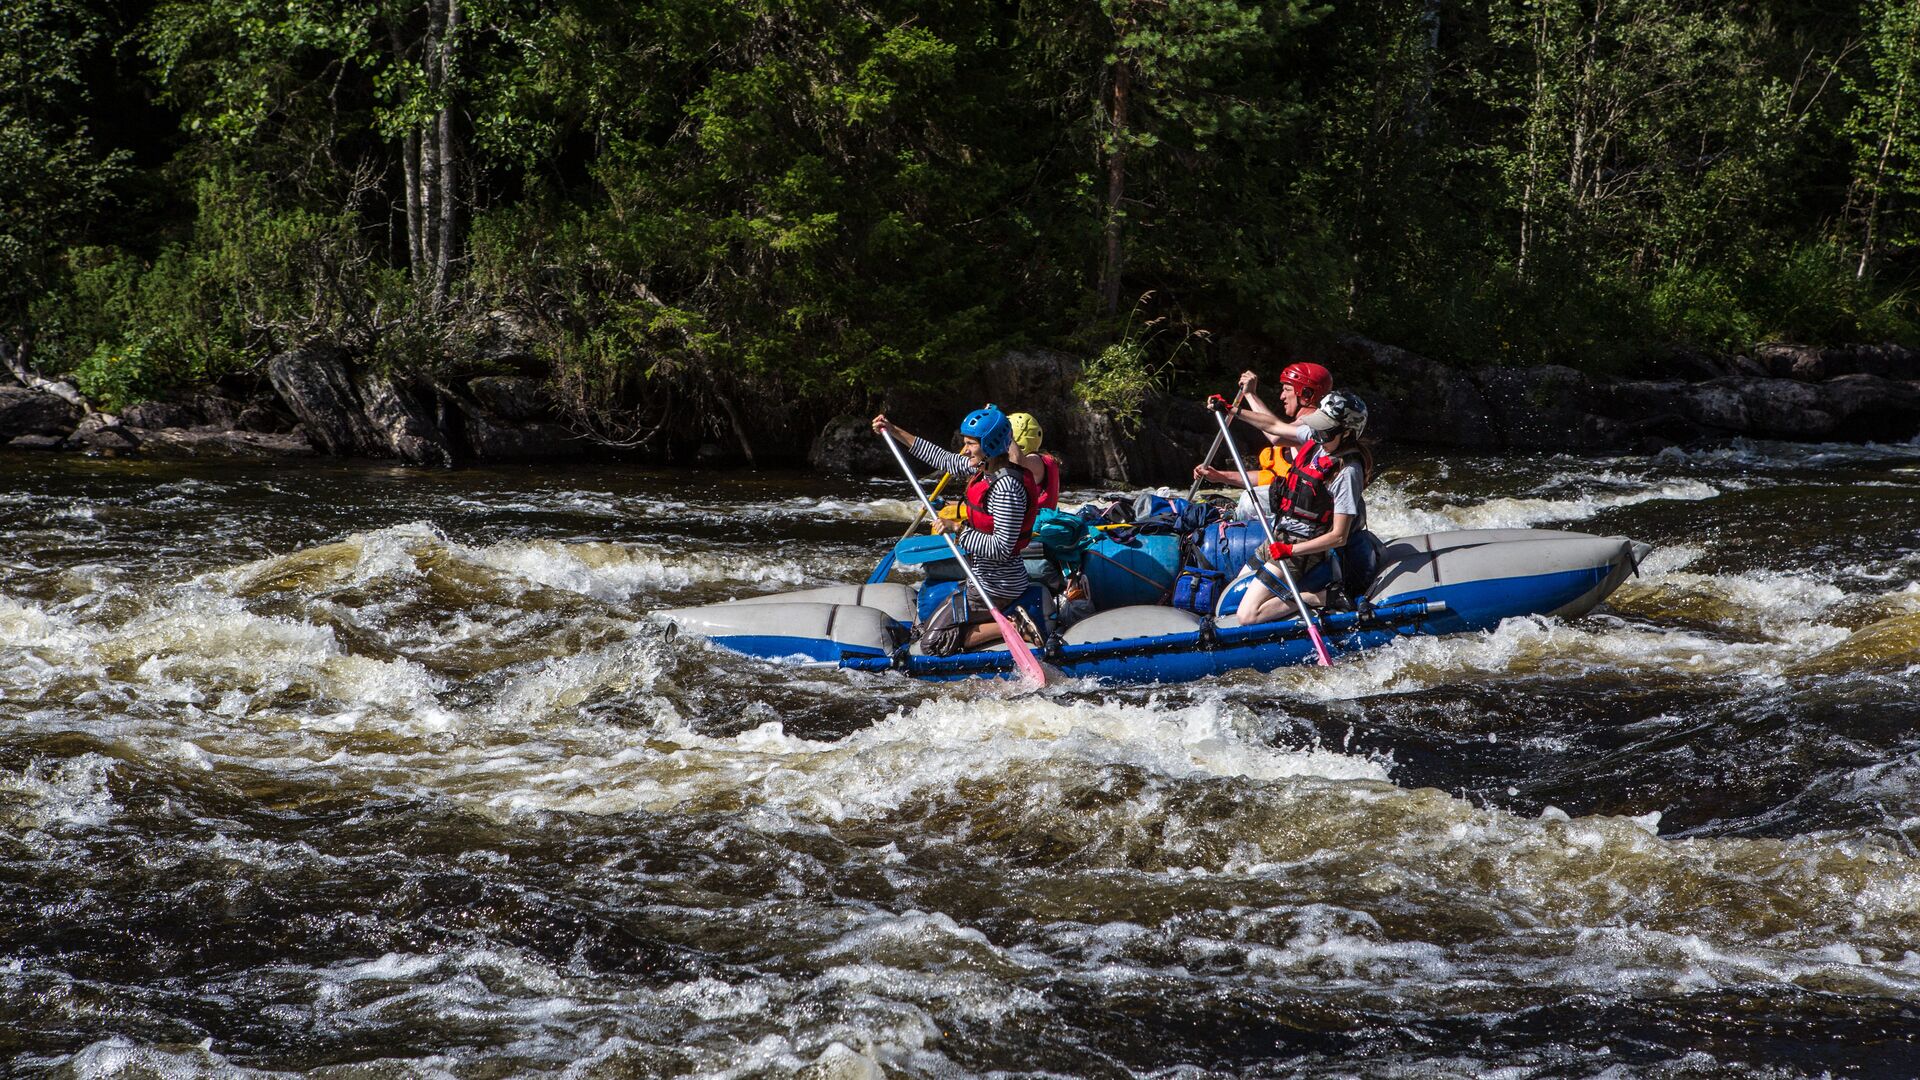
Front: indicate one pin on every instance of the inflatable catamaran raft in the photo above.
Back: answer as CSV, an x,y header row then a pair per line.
x,y
1432,583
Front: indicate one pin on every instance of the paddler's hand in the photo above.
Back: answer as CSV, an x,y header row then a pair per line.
x,y
1249,382
881,424
945,525
1279,549
1220,405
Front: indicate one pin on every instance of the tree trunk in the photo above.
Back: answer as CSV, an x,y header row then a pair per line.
x,y
410,169
1886,151
1583,110
1534,120
449,162
1112,264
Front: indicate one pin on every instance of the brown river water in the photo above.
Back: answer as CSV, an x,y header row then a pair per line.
x,y
351,771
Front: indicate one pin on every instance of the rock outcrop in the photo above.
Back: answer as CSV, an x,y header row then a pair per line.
x,y
1088,442
35,414
349,411
1784,392
1787,392
319,400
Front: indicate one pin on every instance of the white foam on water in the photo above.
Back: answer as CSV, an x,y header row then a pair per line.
x,y
398,694
1890,787
204,649
27,625
615,572
68,792
202,635
1392,511
920,935
884,509
1642,960
604,571
933,746
39,649
710,999
554,688
1762,454
583,503
119,1056
1325,956
1537,645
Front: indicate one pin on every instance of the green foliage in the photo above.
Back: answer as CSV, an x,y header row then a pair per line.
x,y
1120,377
1884,129
115,376
250,280
1117,381
684,202
1812,294
52,176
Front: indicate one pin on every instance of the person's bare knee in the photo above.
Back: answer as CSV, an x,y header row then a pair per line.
x,y
982,635
1249,608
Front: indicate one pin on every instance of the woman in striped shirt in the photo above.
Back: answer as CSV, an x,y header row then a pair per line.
x,y
1001,501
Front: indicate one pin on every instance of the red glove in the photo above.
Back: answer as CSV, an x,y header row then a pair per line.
x,y
1279,549
1218,403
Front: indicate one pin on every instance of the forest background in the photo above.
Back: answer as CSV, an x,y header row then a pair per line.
x,y
677,209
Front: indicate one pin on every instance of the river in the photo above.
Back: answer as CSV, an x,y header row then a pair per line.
x,y
359,772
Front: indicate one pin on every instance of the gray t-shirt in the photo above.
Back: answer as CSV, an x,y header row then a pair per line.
x,y
1345,489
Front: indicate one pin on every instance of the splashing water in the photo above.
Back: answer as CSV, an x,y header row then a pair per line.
x,y
370,771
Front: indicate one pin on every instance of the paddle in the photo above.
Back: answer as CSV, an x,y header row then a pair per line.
x,y
886,561
1023,657
1215,448
1306,616
915,550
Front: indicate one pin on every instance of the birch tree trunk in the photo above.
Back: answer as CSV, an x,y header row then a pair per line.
x,y
1534,120
1113,261
429,153
448,240
1886,152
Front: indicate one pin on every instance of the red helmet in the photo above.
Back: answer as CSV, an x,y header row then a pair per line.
x,y
1310,380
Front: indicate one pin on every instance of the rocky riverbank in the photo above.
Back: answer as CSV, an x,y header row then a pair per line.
x,y
317,400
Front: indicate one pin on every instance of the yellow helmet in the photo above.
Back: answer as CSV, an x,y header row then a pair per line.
x,y
1027,432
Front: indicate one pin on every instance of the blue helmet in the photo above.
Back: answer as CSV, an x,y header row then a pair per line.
x,y
991,427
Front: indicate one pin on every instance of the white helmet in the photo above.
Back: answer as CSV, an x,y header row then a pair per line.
x,y
1346,411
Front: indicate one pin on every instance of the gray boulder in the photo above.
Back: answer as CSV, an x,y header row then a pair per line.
x,y
1810,363
316,382
513,398
491,439
406,429
207,441
102,433
35,412
847,444
161,414
1411,397
351,413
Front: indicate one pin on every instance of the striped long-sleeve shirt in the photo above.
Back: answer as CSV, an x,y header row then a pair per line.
x,y
995,556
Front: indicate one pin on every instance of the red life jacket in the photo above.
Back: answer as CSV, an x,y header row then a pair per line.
x,y
1305,495
1049,486
976,500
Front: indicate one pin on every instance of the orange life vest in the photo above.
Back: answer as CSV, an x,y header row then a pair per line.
x,y
1273,466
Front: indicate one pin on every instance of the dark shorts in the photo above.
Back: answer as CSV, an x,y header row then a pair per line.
x,y
946,629
1311,573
